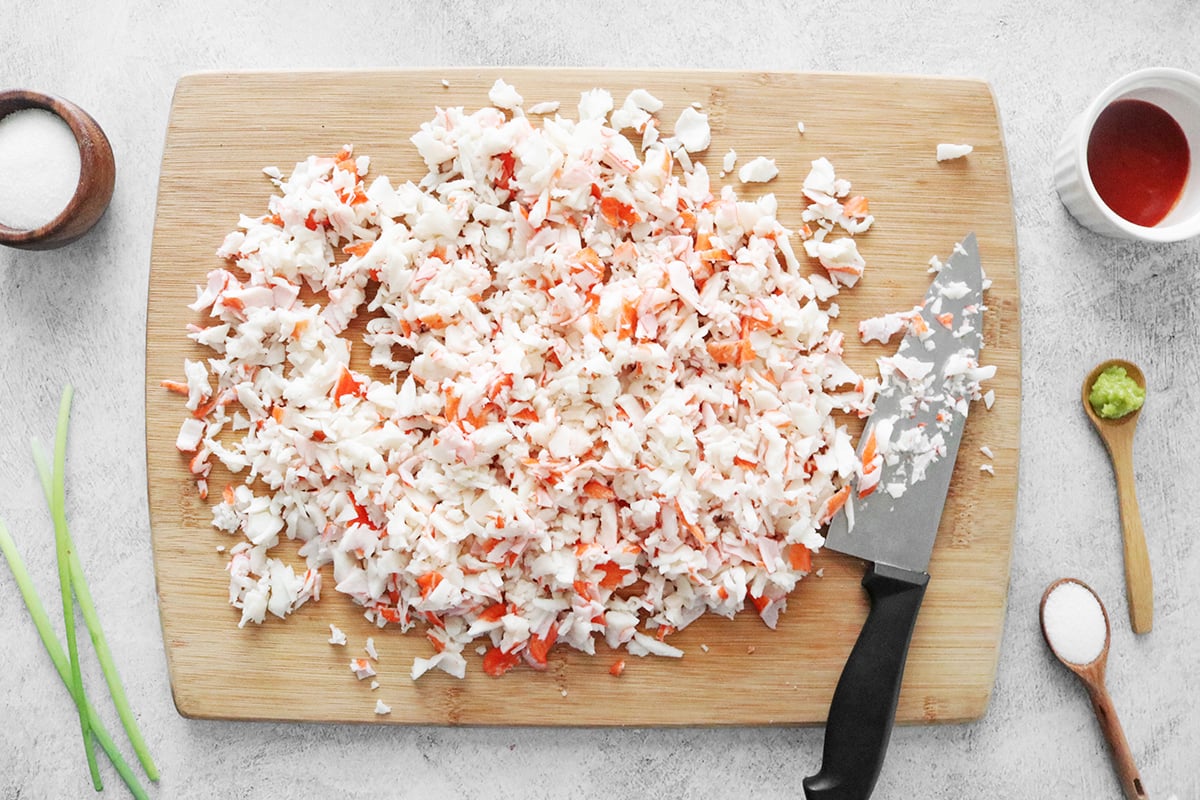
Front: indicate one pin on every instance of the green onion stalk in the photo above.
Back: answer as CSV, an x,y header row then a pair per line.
x,y
62,548
103,654
42,622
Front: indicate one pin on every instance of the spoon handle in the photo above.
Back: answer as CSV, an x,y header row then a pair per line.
x,y
1139,584
1127,771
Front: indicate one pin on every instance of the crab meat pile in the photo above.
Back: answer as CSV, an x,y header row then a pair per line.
x,y
600,393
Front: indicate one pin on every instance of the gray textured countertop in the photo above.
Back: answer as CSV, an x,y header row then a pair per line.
x,y
78,315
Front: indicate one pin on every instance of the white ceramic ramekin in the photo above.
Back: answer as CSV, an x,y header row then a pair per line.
x,y
1178,93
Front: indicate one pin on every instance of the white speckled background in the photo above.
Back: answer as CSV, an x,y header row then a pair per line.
x,y
78,315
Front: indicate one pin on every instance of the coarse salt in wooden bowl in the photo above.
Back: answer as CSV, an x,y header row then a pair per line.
x,y
97,174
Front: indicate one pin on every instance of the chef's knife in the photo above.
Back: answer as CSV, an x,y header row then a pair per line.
x,y
895,525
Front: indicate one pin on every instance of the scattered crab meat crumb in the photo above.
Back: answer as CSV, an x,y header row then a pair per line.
x,y
336,635
595,104
545,107
382,708
374,685
800,127
987,451
988,468
190,434
370,648
729,160
504,95
645,101
692,131
949,152
884,328
760,170
361,668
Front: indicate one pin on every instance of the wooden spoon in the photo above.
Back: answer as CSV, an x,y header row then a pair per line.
x,y
1117,435
1092,676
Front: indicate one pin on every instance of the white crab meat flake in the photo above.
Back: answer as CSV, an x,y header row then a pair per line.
x,y
883,328
336,635
504,95
645,101
692,131
381,708
595,104
760,170
190,434
949,152
599,400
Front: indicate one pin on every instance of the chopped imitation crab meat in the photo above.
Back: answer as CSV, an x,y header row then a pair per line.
x,y
760,170
361,668
504,96
692,131
600,394
949,152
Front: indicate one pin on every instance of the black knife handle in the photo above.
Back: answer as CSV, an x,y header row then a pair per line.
x,y
864,702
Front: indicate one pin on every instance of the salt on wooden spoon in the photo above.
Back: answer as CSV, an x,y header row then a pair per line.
x,y
1075,625
1117,435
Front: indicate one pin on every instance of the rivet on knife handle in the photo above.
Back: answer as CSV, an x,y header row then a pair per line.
x,y
864,702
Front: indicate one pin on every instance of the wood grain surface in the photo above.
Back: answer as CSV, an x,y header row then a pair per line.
x,y
879,131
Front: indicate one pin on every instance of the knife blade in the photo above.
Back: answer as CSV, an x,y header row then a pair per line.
x,y
909,445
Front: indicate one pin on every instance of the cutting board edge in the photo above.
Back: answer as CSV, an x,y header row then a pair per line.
x,y
186,80
1015,481
184,709
153,510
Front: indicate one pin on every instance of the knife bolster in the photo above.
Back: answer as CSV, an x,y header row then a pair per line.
x,y
883,579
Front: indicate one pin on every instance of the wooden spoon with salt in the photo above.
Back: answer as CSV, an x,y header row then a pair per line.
x,y
1058,631
1117,435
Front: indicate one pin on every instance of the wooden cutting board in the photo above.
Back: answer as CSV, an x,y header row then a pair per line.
x,y
880,132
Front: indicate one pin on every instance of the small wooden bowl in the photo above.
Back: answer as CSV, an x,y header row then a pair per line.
x,y
97,173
